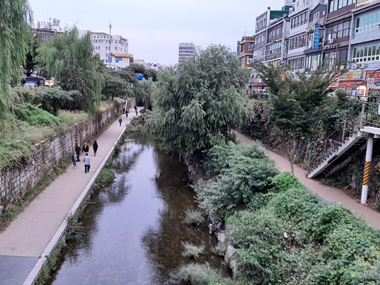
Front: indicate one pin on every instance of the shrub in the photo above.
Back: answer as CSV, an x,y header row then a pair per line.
x,y
194,217
202,274
192,251
296,205
106,177
325,219
36,116
259,201
285,181
259,240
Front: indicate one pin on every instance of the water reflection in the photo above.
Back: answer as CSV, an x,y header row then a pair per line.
x,y
132,231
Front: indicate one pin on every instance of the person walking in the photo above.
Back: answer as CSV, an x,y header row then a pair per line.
x,y
137,112
85,148
120,120
126,112
95,147
86,162
77,151
74,158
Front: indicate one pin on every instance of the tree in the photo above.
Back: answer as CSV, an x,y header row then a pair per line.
x,y
15,16
114,85
200,102
32,55
70,60
300,103
143,92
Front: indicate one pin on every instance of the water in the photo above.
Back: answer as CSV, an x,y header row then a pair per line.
x,y
133,231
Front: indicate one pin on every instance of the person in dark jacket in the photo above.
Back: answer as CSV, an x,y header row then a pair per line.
x,y
120,121
85,148
137,111
95,147
77,150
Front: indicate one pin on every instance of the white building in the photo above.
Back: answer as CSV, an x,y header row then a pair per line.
x,y
52,24
301,4
113,50
185,51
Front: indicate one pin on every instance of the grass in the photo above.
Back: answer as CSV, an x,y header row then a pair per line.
x,y
194,217
70,118
192,251
203,274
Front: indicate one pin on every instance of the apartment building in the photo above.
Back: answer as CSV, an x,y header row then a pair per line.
x,y
245,51
276,49
185,51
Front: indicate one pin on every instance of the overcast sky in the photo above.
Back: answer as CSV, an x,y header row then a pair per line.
x,y
154,28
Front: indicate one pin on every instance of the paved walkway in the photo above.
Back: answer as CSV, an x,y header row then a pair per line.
x,y
27,238
330,194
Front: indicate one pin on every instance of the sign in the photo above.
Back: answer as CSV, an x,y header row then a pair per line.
x,y
317,35
370,82
331,46
282,62
110,59
353,76
360,3
375,75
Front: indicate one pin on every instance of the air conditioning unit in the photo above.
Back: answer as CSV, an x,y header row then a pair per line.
x,y
378,26
354,66
331,41
363,65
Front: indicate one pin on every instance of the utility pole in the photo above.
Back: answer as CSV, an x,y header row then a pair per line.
x,y
110,53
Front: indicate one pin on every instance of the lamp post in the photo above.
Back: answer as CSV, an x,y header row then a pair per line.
x,y
110,53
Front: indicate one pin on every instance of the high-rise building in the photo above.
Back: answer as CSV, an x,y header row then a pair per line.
x,y
185,51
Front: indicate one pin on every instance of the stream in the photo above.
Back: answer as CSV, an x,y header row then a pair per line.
x,y
132,232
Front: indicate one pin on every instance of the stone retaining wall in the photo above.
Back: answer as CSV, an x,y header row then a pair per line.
x,y
16,181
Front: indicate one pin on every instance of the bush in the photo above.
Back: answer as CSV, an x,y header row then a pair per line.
x,y
218,158
194,217
192,251
285,181
296,205
202,274
326,219
36,116
106,177
259,201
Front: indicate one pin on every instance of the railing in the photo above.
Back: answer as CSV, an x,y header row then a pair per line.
x,y
371,114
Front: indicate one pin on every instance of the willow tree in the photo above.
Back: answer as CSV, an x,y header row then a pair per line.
x,y
70,60
15,16
200,102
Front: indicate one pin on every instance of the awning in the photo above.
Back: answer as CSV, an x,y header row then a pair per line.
x,y
350,83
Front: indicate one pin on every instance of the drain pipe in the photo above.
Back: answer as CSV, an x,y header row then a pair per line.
x,y
210,229
367,168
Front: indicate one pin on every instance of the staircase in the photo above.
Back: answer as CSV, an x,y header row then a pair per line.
x,y
340,157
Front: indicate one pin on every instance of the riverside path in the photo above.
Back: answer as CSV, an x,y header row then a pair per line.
x,y
330,194
35,232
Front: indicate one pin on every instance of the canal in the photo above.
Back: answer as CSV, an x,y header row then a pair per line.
x,y
132,231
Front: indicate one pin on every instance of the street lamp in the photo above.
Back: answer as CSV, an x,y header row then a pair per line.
x,y
110,54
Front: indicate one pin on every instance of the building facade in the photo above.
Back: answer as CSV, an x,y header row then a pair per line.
x,y
185,51
112,49
245,54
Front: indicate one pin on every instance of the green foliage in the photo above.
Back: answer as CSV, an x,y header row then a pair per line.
x,y
15,17
202,274
285,181
295,204
53,99
106,177
218,158
147,73
36,116
194,217
259,201
115,85
192,251
31,57
325,219
70,60
259,240
200,102
143,91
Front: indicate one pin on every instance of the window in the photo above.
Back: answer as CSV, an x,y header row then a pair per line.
x,y
367,22
297,63
250,46
316,16
366,53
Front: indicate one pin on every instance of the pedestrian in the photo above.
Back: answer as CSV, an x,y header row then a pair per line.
x,y
126,112
77,150
120,120
74,158
95,147
137,112
85,148
86,162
